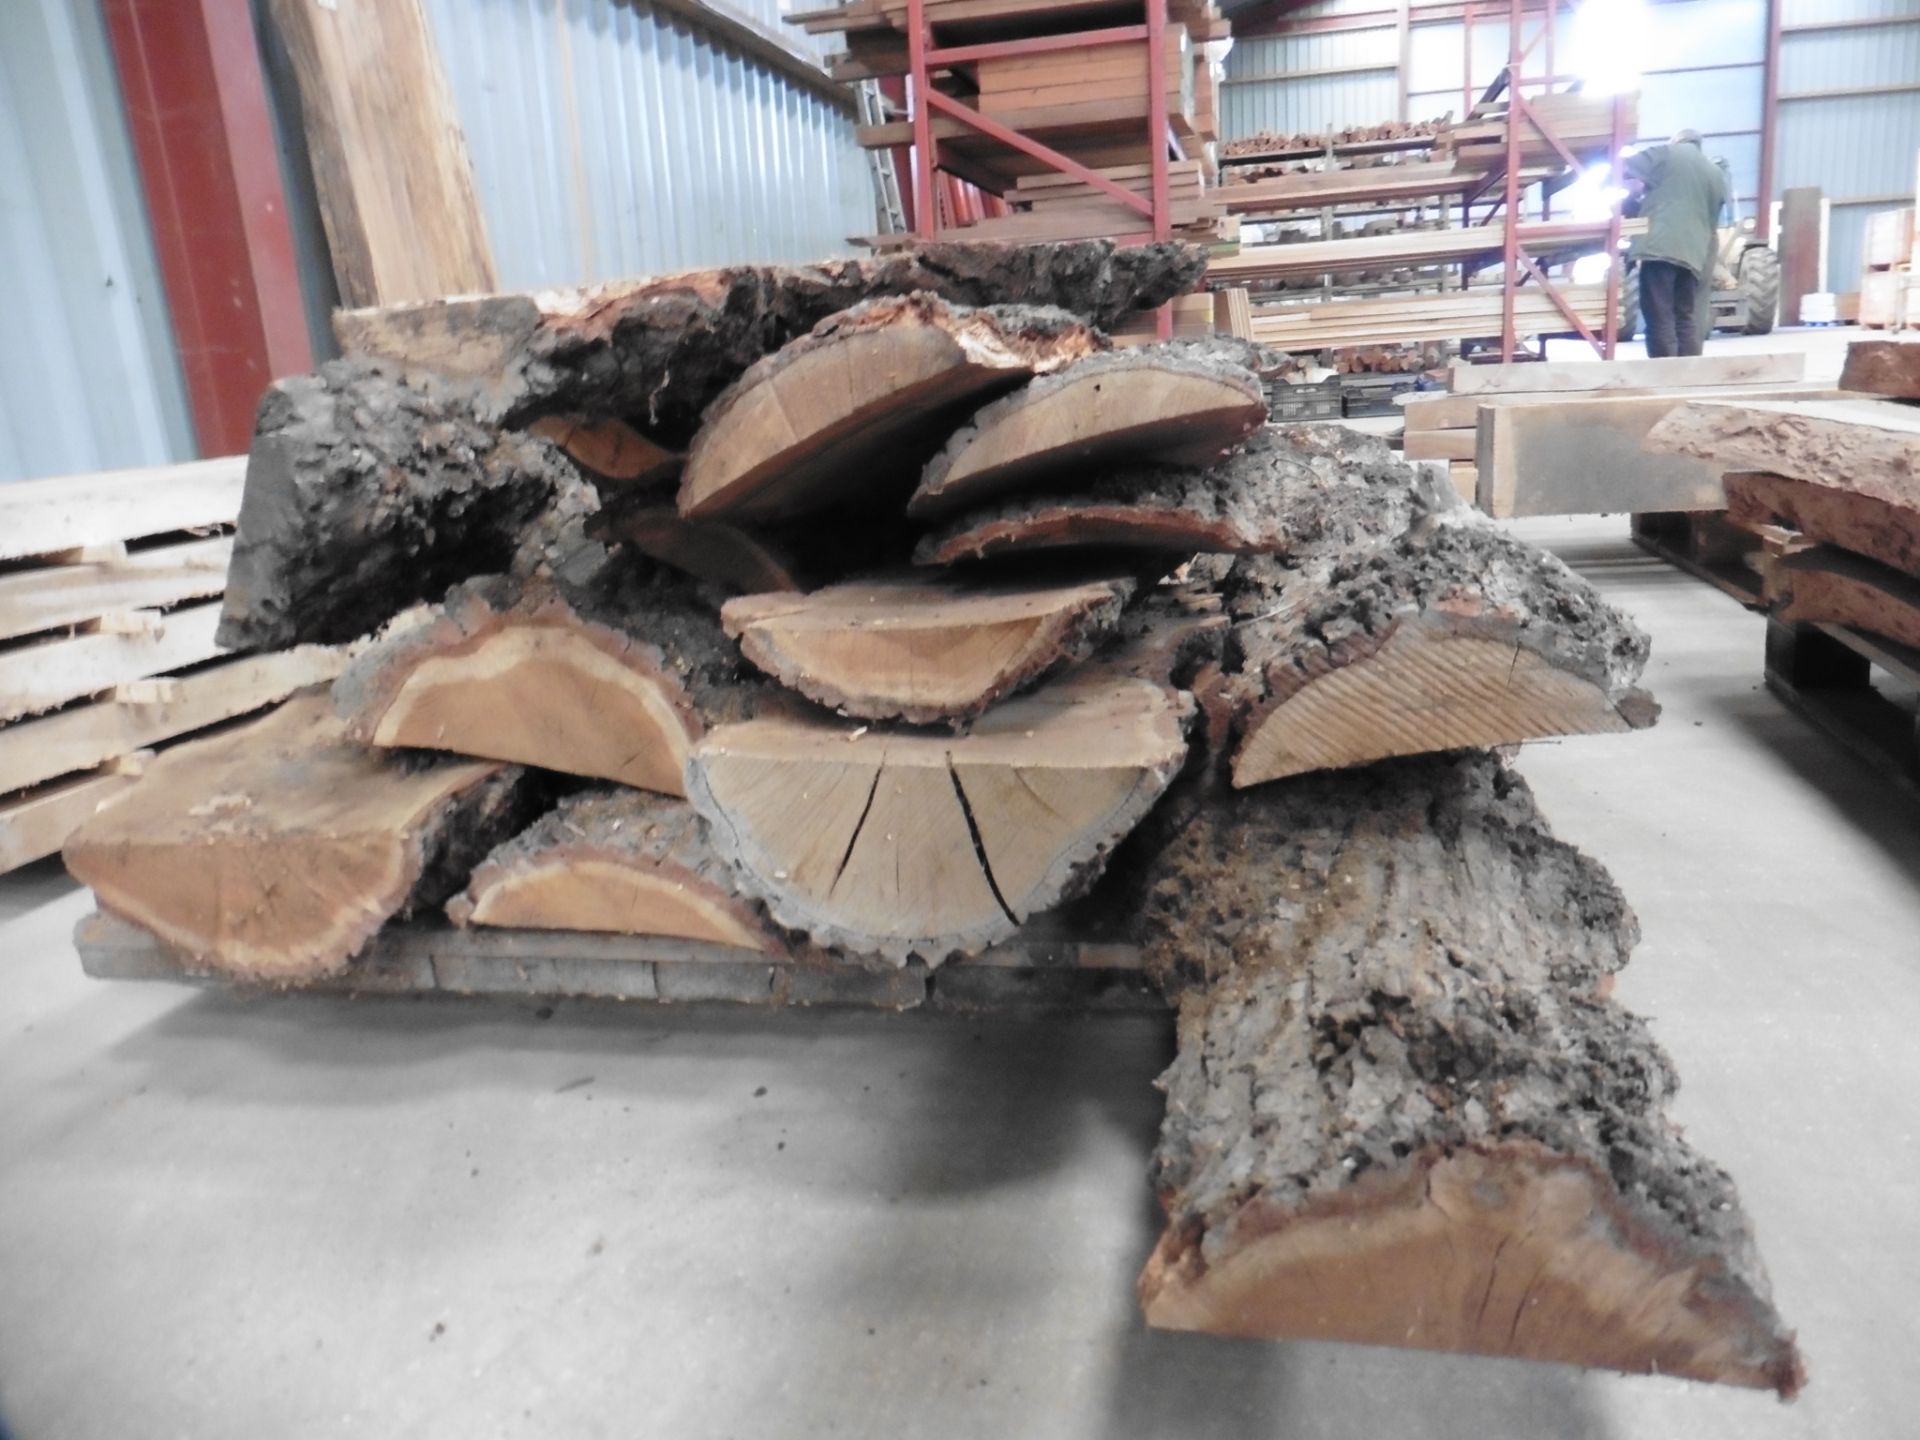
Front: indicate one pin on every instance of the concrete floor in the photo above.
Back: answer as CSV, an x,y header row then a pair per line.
x,y
296,1216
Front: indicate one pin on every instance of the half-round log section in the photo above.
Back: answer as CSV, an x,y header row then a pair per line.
x,y
710,550
617,455
911,844
273,851
616,861
1288,491
512,673
921,650
855,408
1402,1110
1455,636
1151,403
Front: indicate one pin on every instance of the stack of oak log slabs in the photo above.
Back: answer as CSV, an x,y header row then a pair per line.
x,y
1063,597
1841,475
1564,437
110,589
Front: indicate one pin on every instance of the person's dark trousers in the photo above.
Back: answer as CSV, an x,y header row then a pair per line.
x,y
1668,297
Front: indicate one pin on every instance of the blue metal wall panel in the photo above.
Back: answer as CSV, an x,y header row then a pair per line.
x,y
1290,106
611,139
1813,12
1837,59
1851,147
88,375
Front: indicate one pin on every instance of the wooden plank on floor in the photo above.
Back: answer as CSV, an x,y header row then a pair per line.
x,y
390,162
39,676
67,512
35,751
1692,371
52,596
424,957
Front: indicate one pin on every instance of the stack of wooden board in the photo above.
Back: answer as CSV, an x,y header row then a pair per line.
x,y
1843,477
1401,319
945,603
110,588
1090,102
1564,437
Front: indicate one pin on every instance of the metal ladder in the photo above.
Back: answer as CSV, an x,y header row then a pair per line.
x,y
886,184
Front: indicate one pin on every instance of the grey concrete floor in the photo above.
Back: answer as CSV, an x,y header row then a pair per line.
x,y
289,1216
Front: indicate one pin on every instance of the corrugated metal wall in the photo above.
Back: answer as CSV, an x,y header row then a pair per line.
x,y
612,139
88,374
1859,149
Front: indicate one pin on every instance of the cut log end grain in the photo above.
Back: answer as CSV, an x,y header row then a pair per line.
x,y
1285,492
1455,636
709,550
855,407
1153,403
617,454
365,495
1402,1110
899,845
273,851
921,650
615,861
1878,522
619,691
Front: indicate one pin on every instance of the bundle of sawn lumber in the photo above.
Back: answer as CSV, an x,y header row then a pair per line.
x,y
677,612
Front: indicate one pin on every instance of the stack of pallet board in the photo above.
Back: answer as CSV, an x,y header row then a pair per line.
x,y
1090,102
110,589
1887,284
1564,437
945,603
1842,478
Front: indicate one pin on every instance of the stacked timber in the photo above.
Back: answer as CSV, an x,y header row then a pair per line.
x,y
110,589
997,599
1267,144
1843,477
1090,102
1565,437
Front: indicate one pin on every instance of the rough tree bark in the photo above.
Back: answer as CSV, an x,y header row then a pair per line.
x,y
922,650
365,494
617,682
657,352
273,851
1883,367
618,861
1288,491
1403,1111
1161,403
853,409
1453,635
899,844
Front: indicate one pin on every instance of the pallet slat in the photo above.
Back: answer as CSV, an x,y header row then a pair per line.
x,y
49,597
65,512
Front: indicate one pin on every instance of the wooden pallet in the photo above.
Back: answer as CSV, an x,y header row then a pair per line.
x,y
1825,673
1043,969
1706,546
110,588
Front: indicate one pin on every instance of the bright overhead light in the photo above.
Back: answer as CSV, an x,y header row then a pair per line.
x,y
1609,40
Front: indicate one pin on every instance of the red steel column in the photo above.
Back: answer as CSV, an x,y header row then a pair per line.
x,y
925,221
197,109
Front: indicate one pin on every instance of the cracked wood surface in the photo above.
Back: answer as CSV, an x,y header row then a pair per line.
x,y
1878,520
1152,403
897,844
1455,635
918,649
1403,1111
1828,586
851,411
616,861
620,692
274,850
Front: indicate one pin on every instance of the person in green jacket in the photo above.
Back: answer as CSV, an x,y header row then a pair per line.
x,y
1681,193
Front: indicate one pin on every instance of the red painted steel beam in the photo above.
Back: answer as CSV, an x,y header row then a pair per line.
x,y
1026,145
197,108
1036,45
